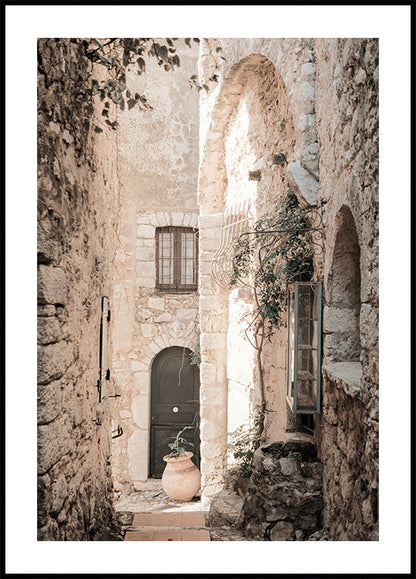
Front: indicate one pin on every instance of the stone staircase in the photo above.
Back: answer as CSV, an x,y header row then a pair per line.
x,y
168,526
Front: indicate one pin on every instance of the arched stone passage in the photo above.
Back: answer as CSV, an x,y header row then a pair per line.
x,y
251,122
342,342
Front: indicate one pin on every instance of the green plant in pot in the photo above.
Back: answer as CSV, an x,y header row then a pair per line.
x,y
181,479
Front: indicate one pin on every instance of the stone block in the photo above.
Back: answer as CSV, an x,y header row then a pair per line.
x,y
146,269
162,219
148,330
225,509
147,231
145,254
282,531
177,218
194,220
156,303
52,285
140,410
53,361
49,250
212,221
59,494
46,311
49,402
163,318
303,183
336,318
53,444
49,330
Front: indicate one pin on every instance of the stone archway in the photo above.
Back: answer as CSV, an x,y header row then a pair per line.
x,y
250,124
342,343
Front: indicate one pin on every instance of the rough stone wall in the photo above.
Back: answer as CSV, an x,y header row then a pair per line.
x,y
263,104
77,210
332,88
284,500
158,165
347,433
252,138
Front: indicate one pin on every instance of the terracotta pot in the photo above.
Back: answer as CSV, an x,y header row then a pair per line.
x,y
181,479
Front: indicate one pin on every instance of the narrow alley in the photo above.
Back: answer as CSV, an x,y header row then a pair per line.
x,y
208,289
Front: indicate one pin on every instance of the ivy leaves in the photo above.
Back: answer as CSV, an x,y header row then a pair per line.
x,y
193,81
115,55
280,252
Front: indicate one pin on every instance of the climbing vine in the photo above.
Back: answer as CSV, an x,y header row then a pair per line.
x,y
242,444
114,55
277,251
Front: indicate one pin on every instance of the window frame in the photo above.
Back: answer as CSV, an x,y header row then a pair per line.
x,y
177,286
293,349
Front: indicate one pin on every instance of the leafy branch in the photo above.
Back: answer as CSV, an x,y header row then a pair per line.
x,y
193,81
115,55
179,445
277,252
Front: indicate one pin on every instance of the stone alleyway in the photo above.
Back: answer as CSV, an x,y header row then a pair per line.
x,y
150,515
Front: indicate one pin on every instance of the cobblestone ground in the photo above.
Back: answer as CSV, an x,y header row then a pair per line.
x,y
150,515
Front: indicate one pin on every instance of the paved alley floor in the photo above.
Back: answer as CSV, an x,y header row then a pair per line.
x,y
149,514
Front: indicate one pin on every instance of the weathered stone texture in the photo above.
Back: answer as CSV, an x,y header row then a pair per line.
x,y
326,124
158,167
76,213
284,499
347,430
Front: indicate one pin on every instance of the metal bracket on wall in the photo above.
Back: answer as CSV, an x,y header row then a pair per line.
x,y
119,432
223,267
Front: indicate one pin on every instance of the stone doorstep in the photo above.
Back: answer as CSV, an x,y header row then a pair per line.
x,y
167,534
162,526
179,519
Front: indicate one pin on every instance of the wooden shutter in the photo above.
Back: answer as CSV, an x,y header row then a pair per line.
x,y
304,347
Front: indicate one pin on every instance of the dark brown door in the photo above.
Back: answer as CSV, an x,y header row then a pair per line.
x,y
174,404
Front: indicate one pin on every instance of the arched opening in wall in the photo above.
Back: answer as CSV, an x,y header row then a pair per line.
x,y
174,405
251,142
342,327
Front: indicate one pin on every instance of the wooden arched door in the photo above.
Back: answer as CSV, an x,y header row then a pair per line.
x,y
174,404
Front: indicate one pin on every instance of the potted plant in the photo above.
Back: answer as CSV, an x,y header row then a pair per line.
x,y
181,479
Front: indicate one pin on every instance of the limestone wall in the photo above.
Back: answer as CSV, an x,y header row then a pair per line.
x,y
331,86
347,85
263,106
77,214
158,156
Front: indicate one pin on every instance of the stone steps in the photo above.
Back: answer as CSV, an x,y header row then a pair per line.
x,y
168,526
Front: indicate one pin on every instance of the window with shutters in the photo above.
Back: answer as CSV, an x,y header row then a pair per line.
x,y
176,259
304,347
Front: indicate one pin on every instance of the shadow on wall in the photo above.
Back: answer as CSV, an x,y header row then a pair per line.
x,y
342,343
